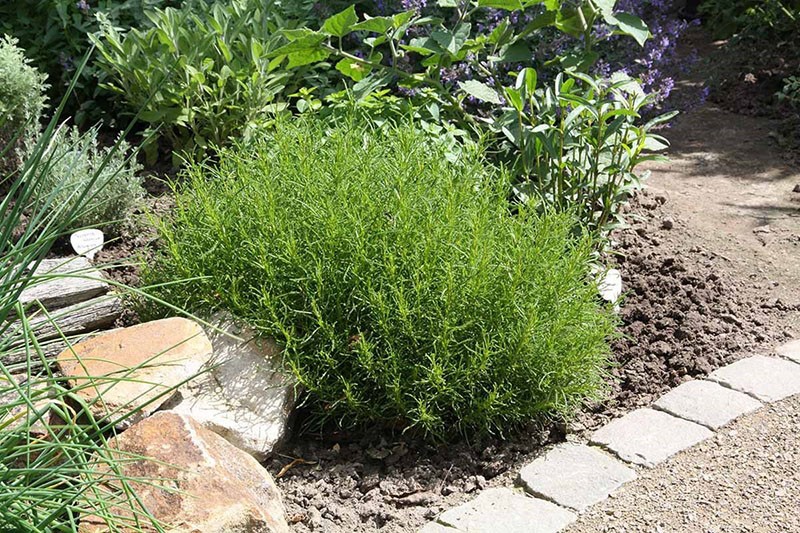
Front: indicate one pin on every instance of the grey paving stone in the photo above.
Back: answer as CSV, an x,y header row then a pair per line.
x,y
790,350
767,378
574,475
502,510
706,403
436,527
648,437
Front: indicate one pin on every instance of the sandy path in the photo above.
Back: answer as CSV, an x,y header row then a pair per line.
x,y
733,193
744,479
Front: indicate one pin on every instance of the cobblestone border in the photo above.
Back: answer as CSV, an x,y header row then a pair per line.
x,y
571,477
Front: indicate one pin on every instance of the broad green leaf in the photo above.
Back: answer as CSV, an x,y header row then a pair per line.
x,y
306,57
370,84
514,98
633,26
570,22
452,41
311,42
400,19
352,69
374,24
447,3
339,24
480,90
515,53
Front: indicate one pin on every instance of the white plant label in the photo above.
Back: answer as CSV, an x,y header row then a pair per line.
x,y
87,242
611,286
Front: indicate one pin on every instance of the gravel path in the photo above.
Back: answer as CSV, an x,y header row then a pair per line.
x,y
744,479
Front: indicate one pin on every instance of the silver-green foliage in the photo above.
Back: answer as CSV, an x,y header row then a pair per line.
x,y
77,165
200,75
21,102
405,290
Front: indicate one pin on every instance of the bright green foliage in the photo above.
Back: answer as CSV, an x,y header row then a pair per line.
x,y
47,462
573,145
790,93
580,141
405,291
76,165
21,103
202,75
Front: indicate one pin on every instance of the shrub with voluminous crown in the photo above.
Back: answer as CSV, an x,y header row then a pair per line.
x,y
406,290
21,102
75,164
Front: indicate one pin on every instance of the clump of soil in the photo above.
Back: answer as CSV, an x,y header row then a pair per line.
x,y
683,316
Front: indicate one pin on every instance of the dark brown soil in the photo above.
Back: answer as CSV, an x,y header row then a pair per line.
x,y
683,316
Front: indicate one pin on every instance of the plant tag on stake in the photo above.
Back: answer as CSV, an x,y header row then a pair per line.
x,y
87,242
611,287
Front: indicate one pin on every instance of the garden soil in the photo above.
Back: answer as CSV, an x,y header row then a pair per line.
x,y
711,269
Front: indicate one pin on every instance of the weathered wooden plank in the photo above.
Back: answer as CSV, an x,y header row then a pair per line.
x,y
85,317
83,283
14,359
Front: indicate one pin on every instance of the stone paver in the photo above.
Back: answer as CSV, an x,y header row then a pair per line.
x,y
575,475
648,437
790,350
706,403
506,511
767,378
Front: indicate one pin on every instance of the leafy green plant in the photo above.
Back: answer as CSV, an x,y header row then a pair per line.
x,y
75,161
579,141
21,102
49,442
200,77
573,144
55,35
405,291
752,18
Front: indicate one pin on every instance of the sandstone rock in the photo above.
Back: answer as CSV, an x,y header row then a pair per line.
x,y
245,396
132,370
192,480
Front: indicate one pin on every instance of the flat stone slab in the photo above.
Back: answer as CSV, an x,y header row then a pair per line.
x,y
648,437
574,475
706,403
503,510
767,378
132,371
790,350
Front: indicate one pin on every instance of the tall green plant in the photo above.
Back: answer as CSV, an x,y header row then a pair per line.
x,y
51,447
573,144
404,290
199,77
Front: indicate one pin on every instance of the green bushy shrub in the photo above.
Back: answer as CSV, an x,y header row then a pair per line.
x,y
405,290
21,102
72,161
199,75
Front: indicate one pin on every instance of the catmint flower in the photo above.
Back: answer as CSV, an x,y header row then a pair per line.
x,y
83,6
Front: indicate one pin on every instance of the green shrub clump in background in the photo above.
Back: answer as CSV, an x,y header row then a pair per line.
x,y
404,289
21,103
75,165
202,75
